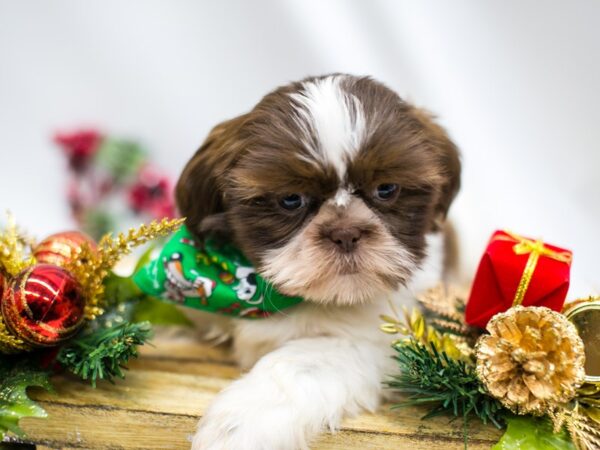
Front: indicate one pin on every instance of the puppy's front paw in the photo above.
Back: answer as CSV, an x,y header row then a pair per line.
x,y
239,422
216,434
239,432
292,394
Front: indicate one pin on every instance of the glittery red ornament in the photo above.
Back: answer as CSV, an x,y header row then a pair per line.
x,y
60,248
43,305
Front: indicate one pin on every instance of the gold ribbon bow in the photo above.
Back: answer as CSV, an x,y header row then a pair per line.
x,y
534,249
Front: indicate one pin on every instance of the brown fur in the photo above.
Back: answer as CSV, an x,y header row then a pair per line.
x,y
234,181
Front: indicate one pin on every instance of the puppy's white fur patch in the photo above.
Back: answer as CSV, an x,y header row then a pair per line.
x,y
293,393
342,197
334,117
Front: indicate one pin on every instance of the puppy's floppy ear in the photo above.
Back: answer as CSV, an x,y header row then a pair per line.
x,y
449,159
199,191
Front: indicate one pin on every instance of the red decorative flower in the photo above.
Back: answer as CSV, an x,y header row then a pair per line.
x,y
79,147
152,193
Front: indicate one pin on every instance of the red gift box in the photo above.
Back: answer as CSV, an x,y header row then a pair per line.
x,y
517,271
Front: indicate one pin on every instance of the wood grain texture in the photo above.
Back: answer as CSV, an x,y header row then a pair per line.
x,y
172,383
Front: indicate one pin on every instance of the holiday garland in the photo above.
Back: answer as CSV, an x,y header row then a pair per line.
x,y
527,369
489,384
63,309
112,182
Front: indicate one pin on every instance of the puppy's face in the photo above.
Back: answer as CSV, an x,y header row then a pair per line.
x,y
329,186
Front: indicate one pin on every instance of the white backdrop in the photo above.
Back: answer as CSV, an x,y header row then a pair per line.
x,y
515,82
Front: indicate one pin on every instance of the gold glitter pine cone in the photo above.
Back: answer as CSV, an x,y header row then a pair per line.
x,y
532,359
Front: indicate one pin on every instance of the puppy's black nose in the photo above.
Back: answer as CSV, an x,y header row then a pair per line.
x,y
346,238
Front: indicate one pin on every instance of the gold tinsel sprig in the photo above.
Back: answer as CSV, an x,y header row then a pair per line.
x,y
584,431
532,360
10,344
444,308
15,256
415,329
92,266
15,249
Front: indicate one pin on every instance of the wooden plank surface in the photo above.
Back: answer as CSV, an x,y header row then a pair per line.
x,y
168,388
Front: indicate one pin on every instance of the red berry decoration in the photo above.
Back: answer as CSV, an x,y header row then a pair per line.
x,y
43,305
152,193
61,248
79,147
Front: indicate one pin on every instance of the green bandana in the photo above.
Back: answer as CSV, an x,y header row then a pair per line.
x,y
212,277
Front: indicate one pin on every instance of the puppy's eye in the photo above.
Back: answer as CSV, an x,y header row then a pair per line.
x,y
292,202
386,191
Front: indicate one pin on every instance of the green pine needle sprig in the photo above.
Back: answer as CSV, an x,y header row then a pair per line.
x,y
448,385
103,353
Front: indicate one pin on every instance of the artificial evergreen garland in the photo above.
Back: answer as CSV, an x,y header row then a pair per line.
x,y
88,328
440,361
431,377
102,354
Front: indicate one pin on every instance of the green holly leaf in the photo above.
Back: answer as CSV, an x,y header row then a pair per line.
x,y
15,378
530,433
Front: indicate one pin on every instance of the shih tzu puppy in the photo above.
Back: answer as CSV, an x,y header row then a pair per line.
x,y
336,189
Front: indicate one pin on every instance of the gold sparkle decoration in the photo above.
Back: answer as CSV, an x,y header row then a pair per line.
x,y
444,308
14,257
584,431
15,250
92,266
415,329
532,360
588,399
10,344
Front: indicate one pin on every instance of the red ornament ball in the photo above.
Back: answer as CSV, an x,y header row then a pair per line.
x,y
61,248
43,305
2,285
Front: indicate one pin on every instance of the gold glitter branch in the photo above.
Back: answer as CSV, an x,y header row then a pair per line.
x,y
585,433
415,328
13,245
92,266
9,343
443,307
